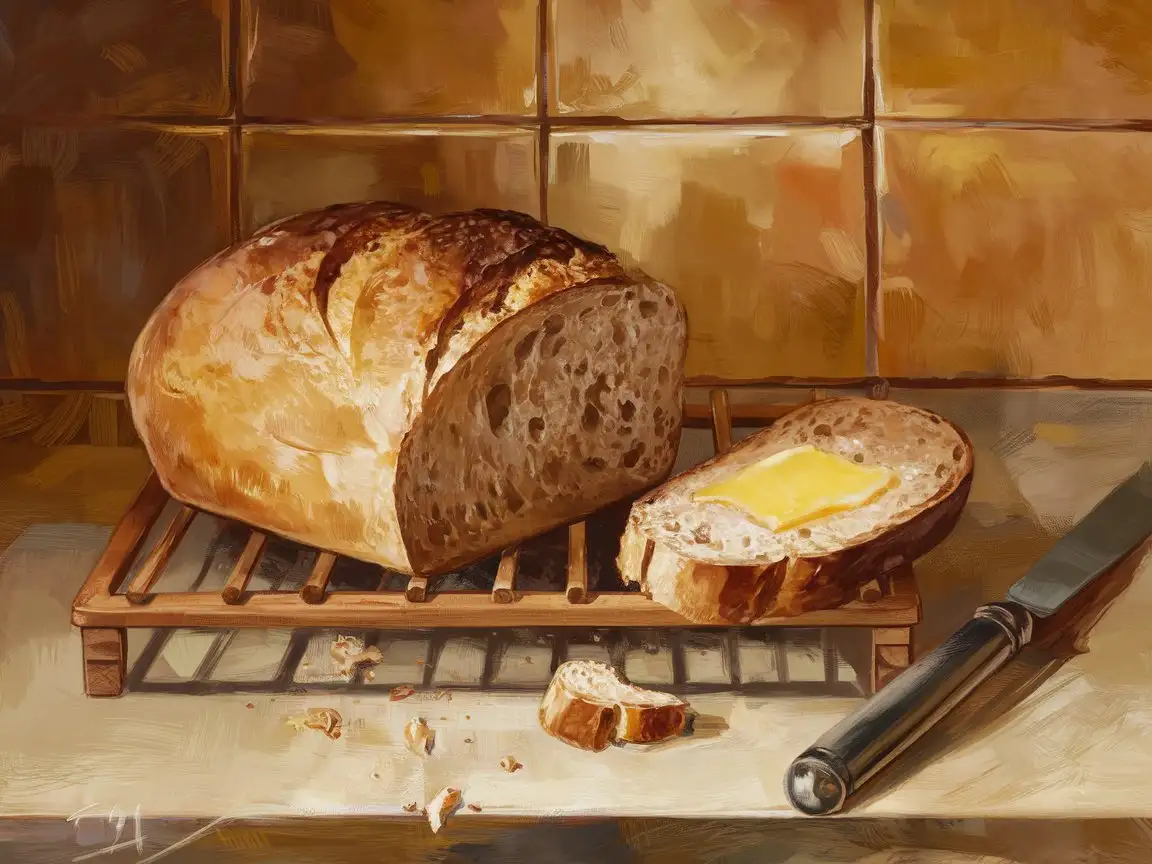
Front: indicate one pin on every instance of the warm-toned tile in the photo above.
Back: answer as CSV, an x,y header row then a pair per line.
x,y
288,170
366,59
129,57
707,58
760,231
96,226
1016,253
1015,59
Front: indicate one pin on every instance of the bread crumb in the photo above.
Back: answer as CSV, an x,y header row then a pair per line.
x,y
475,808
249,705
326,720
401,692
349,653
509,764
370,675
419,736
467,740
446,802
410,808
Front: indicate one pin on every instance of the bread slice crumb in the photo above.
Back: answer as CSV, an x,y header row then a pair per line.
x,y
591,706
446,802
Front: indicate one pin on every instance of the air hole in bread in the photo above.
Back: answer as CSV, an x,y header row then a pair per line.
x,y
921,440
822,430
702,534
747,541
552,468
524,348
627,411
858,457
582,368
513,499
596,390
556,346
629,295
647,308
536,428
941,470
957,453
633,455
662,375
805,532
672,526
609,300
437,533
553,324
935,420
481,510
619,334
595,464
591,418
497,402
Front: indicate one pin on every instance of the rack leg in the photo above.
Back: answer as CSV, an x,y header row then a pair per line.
x,y
105,660
891,654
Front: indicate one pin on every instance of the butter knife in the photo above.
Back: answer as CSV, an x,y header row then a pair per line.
x,y
820,781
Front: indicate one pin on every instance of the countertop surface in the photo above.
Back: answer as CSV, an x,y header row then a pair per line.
x,y
1052,736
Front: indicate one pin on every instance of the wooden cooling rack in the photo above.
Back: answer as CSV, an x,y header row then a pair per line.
x,y
121,591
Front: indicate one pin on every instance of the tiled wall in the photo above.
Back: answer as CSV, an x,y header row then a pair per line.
x,y
838,188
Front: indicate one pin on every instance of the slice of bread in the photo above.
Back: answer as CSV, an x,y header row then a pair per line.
x,y
589,705
714,565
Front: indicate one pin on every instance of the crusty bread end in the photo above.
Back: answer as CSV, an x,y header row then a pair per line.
x,y
589,705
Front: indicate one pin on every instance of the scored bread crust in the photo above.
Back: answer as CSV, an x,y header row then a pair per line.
x,y
712,565
354,378
622,713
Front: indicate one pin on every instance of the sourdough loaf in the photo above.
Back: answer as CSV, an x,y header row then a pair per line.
x,y
714,565
412,390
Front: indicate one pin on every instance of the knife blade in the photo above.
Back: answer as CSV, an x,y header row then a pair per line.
x,y
821,779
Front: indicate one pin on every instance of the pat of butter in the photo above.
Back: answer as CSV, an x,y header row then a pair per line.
x,y
797,486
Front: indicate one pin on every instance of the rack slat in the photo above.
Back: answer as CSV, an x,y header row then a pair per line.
x,y
577,588
504,590
317,584
245,565
153,565
382,610
417,590
721,421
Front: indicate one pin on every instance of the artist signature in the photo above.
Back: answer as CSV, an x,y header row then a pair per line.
x,y
94,825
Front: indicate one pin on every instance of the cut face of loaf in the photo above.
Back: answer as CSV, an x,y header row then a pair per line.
x,y
590,706
714,565
412,390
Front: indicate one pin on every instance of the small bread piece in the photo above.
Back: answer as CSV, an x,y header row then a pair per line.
x,y
713,564
589,705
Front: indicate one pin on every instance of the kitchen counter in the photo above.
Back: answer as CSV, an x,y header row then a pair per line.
x,y
1049,738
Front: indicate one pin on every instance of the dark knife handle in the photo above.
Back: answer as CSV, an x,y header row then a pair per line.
x,y
822,778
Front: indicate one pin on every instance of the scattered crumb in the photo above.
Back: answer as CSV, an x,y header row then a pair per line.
x,y
443,718
401,692
467,740
419,736
419,662
326,720
527,658
370,675
375,775
509,764
446,802
249,705
475,808
349,653
305,665
410,808
467,716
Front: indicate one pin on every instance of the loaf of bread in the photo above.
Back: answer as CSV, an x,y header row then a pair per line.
x,y
411,390
714,565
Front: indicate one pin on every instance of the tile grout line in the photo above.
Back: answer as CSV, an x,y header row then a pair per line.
x,y
235,138
544,125
871,202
